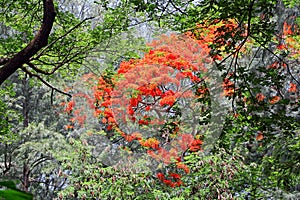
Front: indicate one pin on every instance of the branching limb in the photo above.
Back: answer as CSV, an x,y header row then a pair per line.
x,y
61,37
39,41
58,66
39,161
280,59
176,8
45,82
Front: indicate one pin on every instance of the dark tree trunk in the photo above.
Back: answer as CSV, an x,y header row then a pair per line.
x,y
25,178
39,41
25,101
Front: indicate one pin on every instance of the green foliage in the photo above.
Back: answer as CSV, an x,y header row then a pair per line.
x,y
213,176
91,179
291,3
12,193
7,115
257,155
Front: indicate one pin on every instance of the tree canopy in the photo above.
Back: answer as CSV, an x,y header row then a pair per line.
x,y
149,99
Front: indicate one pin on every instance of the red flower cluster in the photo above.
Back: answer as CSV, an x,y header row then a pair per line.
x,y
196,145
70,106
150,143
149,85
176,182
260,97
293,87
228,87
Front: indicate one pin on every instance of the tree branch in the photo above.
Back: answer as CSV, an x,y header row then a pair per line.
x,y
45,82
64,35
59,65
279,58
176,8
39,41
39,161
3,61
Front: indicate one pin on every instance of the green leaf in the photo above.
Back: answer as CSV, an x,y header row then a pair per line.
x,y
12,193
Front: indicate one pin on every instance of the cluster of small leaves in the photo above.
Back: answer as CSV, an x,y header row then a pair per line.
x,y
9,191
265,117
8,115
89,178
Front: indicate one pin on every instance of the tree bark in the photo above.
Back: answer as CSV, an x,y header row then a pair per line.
x,y
39,41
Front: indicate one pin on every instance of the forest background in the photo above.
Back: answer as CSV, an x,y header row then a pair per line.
x,y
156,99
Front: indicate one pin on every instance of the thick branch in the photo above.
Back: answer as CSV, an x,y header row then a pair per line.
x,y
3,61
39,41
61,37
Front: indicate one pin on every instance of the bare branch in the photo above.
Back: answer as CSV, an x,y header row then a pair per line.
x,y
178,9
59,65
39,161
45,82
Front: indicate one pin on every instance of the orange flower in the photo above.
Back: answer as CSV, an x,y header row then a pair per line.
x,y
111,120
293,87
287,29
202,90
160,176
196,145
168,100
273,65
128,138
137,136
97,112
108,113
70,106
109,127
260,97
151,143
217,57
143,122
62,103
281,47
169,183
259,136
174,175
181,165
274,99
106,103
178,183
235,115
104,120
228,92
69,127
228,87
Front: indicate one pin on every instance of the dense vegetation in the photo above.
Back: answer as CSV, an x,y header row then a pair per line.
x,y
156,99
